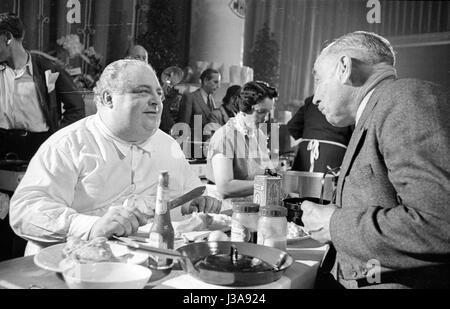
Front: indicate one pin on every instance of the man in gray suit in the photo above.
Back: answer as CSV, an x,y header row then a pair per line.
x,y
200,103
390,226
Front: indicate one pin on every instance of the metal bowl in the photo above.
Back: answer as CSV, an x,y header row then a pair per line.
x,y
307,184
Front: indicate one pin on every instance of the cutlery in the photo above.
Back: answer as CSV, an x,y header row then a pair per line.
x,y
142,246
186,197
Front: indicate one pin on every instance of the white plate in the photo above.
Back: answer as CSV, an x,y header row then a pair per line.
x,y
295,239
201,235
51,257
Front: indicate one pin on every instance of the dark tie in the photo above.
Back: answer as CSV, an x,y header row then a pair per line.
x,y
210,103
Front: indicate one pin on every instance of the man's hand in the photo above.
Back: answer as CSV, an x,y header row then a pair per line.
x,y
316,219
118,221
202,204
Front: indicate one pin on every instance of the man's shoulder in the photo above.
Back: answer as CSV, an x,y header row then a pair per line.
x,y
45,61
409,99
160,135
196,94
162,138
73,133
410,94
411,86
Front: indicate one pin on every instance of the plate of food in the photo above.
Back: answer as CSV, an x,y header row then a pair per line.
x,y
56,257
295,232
199,226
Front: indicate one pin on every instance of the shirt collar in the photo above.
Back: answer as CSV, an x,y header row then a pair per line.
x,y
362,106
29,64
122,146
205,96
240,126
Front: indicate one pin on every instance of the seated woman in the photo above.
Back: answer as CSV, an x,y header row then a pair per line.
x,y
238,150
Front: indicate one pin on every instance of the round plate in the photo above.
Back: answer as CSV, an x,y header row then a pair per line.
x,y
50,258
295,239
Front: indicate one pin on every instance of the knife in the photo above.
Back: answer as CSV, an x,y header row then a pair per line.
x,y
186,197
146,247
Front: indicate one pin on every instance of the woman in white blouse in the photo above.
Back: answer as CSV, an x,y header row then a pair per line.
x,y
238,151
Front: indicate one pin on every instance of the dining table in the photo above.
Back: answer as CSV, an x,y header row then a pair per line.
x,y
308,254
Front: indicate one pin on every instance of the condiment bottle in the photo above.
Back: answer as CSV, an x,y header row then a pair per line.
x,y
161,233
272,227
244,222
267,190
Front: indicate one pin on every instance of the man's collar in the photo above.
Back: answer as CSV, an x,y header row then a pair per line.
x,y
363,105
29,64
203,93
122,146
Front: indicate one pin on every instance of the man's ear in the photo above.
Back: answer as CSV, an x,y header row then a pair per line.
x,y
107,99
8,37
344,70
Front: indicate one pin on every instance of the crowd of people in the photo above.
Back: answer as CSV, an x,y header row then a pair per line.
x,y
390,136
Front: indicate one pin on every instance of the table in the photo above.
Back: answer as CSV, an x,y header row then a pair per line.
x,y
22,273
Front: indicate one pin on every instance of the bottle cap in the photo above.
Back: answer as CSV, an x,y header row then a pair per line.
x,y
273,211
245,207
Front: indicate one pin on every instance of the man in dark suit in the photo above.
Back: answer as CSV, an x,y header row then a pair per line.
x,y
391,222
200,104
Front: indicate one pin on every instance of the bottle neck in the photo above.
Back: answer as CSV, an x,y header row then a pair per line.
x,y
161,207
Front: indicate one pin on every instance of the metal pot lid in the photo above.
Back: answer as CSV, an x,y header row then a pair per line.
x,y
277,260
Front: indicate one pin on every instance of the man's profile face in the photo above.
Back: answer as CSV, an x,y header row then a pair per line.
x,y
138,108
210,86
4,53
330,95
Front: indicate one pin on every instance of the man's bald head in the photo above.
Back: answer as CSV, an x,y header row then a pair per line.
x,y
137,52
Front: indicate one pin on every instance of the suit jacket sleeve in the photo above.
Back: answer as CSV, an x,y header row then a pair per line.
x,y
296,124
185,111
70,97
413,134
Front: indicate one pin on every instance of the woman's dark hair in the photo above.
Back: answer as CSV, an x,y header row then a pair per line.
x,y
254,92
10,24
232,91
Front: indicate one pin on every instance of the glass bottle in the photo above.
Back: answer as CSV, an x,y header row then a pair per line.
x,y
272,227
244,222
162,233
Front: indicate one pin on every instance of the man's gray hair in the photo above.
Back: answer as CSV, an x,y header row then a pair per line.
x,y
365,46
115,78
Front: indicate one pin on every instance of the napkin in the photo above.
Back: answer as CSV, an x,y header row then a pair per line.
x,y
185,281
50,80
